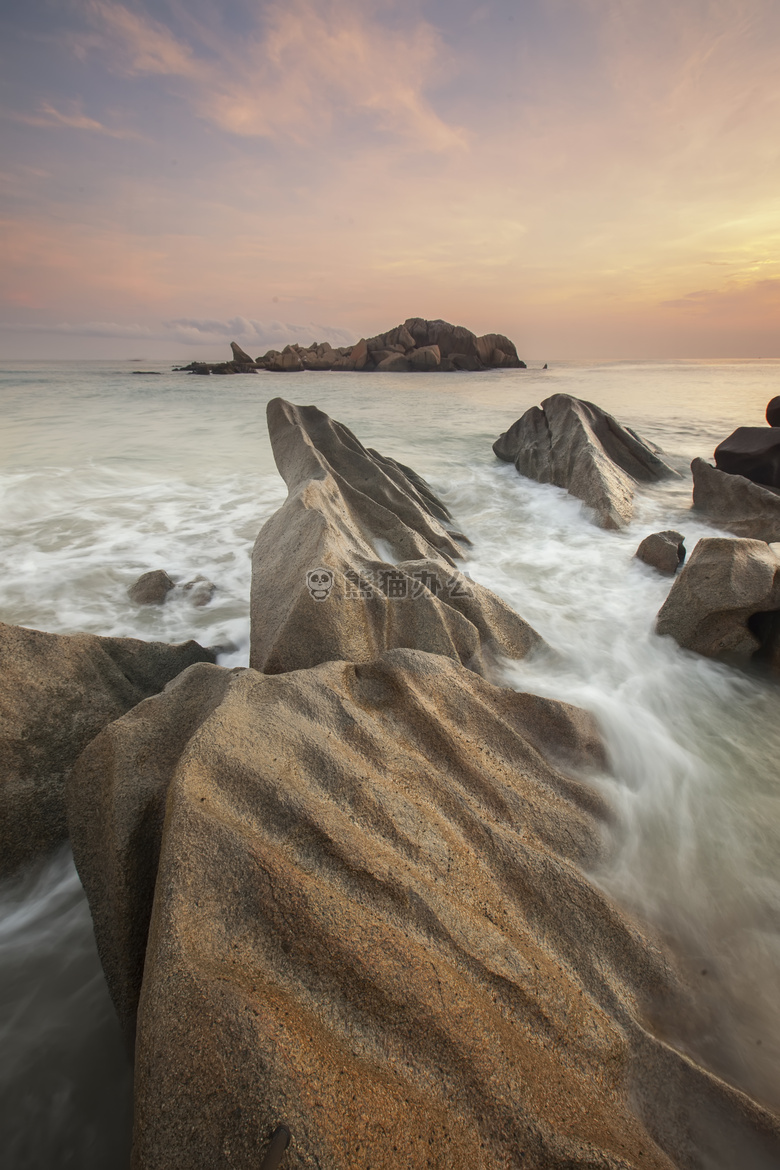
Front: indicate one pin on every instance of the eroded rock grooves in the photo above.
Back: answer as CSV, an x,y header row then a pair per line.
x,y
577,446
377,527
369,921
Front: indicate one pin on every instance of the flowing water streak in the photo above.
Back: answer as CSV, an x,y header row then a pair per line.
x,y
103,476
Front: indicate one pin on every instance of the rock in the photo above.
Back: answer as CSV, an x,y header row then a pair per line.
x,y
57,692
376,529
773,412
352,899
577,446
288,361
664,551
151,588
199,591
734,503
752,452
493,349
427,357
359,354
395,363
723,585
240,357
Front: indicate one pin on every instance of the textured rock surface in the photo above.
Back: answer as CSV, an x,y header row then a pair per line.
x,y
753,452
378,529
664,551
724,583
56,693
734,503
151,588
368,922
577,446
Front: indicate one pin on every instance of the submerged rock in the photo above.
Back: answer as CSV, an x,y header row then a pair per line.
x,y
57,692
725,584
734,503
664,551
577,446
351,899
151,588
358,560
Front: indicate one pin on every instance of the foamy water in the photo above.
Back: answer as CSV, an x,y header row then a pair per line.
x,y
104,476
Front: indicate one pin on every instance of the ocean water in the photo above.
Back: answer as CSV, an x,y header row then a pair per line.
x,y
105,475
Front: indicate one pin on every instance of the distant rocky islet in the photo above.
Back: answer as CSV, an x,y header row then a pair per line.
x,y
417,346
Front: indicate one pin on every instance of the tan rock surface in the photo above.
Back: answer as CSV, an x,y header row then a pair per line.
x,y
377,528
56,693
577,446
734,503
724,583
370,923
664,551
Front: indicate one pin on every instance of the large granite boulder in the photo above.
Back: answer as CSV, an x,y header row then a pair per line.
x,y
350,899
577,446
57,692
752,452
240,356
358,560
713,603
734,503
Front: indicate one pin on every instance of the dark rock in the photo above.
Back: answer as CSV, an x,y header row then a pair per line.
x,y
427,357
496,351
752,452
395,363
146,372
724,584
288,361
151,588
350,510
353,898
734,503
56,693
239,356
773,412
577,446
199,591
664,551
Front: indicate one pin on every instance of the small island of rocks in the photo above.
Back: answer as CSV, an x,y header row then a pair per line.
x,y
417,346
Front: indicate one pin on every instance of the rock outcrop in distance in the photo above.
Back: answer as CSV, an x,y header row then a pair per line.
x,y
57,691
417,346
725,603
577,446
350,899
359,559
734,503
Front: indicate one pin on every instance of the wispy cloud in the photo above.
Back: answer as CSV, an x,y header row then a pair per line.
x,y
310,66
192,331
46,116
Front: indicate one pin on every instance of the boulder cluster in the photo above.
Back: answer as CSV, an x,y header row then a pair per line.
x,y
343,891
417,346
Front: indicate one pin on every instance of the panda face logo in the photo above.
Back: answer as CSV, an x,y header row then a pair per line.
x,y
319,582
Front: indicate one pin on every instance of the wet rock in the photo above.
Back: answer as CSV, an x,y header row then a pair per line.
x,y
376,528
577,446
752,452
773,412
664,551
56,693
151,588
199,591
734,503
724,584
352,898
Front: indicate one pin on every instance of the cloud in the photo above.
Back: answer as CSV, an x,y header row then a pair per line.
x,y
49,116
313,63
193,331
753,297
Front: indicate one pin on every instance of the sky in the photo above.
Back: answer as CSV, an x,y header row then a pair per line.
x,y
593,178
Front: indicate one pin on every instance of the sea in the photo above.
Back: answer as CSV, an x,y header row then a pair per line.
x,y
106,473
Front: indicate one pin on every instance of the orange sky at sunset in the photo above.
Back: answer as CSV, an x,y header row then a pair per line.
x,y
591,177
